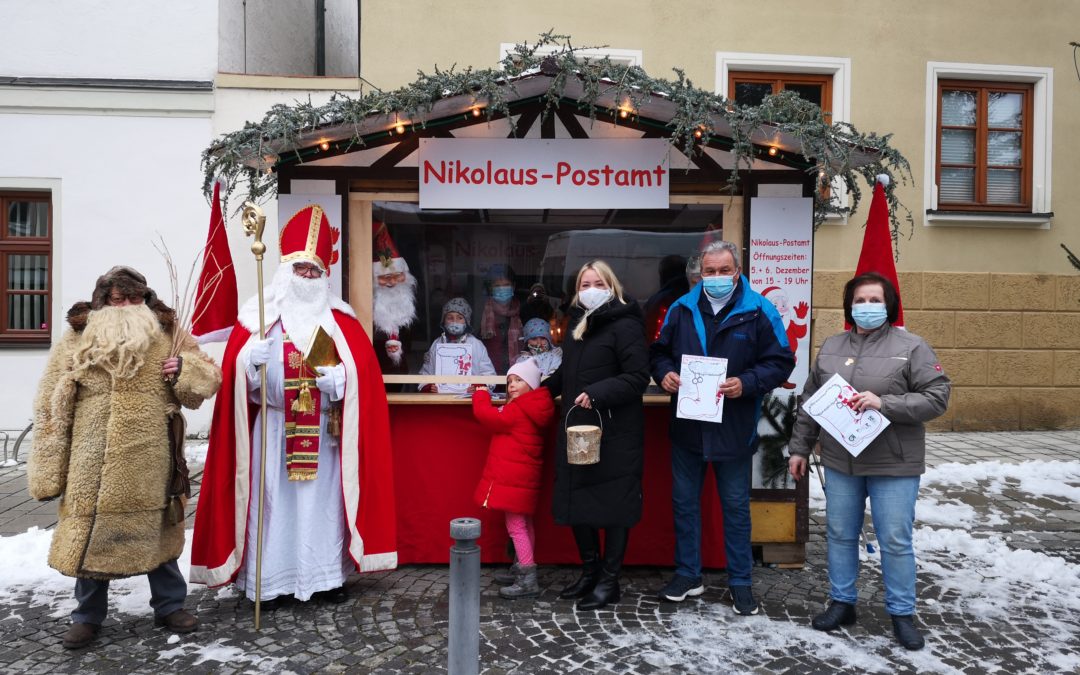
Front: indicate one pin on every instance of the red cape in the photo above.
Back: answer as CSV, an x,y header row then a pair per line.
x,y
367,478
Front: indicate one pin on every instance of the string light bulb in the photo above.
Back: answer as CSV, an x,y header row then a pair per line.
x,y
624,113
400,128
698,133
324,146
476,112
773,151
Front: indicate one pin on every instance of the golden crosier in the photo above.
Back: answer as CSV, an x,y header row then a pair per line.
x,y
254,221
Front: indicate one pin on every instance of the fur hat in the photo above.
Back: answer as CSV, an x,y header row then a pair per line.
x,y
131,284
459,305
535,328
526,370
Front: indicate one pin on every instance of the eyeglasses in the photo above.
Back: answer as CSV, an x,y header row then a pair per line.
x,y
307,271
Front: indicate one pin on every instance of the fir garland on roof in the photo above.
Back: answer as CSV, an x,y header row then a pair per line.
x,y
829,147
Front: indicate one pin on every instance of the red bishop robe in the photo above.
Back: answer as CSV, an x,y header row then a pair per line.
x,y
367,479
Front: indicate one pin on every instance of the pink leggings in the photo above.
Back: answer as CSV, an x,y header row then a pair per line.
x,y
520,529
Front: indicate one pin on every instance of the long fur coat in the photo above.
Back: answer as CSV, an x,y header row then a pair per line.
x,y
103,447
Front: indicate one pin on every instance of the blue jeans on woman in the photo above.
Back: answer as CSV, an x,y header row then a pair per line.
x,y
892,507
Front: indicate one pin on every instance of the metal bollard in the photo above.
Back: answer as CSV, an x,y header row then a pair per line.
x,y
464,648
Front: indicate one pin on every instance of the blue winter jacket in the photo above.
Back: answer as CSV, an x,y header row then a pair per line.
x,y
750,334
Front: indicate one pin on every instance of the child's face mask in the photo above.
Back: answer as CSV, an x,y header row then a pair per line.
x,y
455,328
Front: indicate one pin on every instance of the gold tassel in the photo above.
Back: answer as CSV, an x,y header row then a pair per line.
x,y
303,402
302,474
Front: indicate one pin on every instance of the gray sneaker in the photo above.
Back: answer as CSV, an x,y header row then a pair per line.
x,y
525,586
743,601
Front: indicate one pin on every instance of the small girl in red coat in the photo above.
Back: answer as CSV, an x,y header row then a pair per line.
x,y
511,478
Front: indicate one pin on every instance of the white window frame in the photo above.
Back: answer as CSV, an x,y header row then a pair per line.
x,y
627,57
1041,143
838,67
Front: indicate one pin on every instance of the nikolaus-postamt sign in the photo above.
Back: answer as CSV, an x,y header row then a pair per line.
x,y
544,173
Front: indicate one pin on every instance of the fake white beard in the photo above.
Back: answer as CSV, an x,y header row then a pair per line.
x,y
395,307
116,339
395,356
304,304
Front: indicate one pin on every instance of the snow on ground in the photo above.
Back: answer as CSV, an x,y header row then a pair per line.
x,y
220,652
196,452
24,568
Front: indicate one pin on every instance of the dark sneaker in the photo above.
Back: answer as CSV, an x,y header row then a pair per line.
x,y
80,634
334,596
743,601
179,621
838,614
906,632
681,588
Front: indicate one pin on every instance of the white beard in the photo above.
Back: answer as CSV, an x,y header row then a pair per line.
x,y
304,305
395,307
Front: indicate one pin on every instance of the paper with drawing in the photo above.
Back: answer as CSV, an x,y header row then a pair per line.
x,y
699,388
831,407
453,359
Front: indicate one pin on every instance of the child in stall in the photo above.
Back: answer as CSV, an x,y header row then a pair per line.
x,y
512,473
456,327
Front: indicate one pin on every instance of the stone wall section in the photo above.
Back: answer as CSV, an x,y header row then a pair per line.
x,y
1010,343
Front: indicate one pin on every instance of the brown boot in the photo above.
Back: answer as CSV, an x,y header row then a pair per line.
x,y
180,621
80,634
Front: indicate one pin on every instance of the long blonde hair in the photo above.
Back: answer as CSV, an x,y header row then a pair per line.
x,y
604,271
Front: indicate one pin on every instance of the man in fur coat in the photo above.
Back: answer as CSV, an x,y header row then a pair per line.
x,y
102,444
329,489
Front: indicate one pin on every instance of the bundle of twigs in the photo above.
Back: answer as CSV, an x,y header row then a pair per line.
x,y
186,304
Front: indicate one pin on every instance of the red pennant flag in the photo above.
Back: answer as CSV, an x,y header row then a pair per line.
x,y
215,300
877,253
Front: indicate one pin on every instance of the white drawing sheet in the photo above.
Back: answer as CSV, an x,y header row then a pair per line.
x,y
830,406
453,359
699,395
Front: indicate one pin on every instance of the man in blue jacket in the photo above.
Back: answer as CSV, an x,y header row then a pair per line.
x,y
720,317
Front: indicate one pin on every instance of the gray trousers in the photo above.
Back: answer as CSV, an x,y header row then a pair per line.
x,y
168,590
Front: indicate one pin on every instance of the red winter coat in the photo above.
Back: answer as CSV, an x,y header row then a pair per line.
x,y
511,478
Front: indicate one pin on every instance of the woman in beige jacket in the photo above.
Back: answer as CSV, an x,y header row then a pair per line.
x,y
896,373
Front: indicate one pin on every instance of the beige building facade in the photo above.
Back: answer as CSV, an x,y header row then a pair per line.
x,y
986,282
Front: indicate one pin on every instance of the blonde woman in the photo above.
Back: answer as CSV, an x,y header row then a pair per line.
x,y
605,370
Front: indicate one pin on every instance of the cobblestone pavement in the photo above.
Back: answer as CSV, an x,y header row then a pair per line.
x,y
397,621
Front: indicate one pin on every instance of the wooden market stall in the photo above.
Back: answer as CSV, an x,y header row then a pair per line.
x,y
439,449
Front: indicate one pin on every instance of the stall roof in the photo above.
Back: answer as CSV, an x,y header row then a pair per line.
x,y
655,108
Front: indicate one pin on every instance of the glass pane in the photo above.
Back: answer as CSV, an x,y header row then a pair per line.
x,y
957,146
28,272
535,256
28,219
1003,148
958,108
1006,109
956,185
810,92
751,93
26,312
1003,186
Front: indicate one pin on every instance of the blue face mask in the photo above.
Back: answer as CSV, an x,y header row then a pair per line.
x,y
502,294
869,315
718,287
454,329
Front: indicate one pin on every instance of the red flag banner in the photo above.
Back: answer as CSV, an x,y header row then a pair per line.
x,y
877,251
215,300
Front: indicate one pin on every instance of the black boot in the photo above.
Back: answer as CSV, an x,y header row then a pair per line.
x,y
607,589
588,543
838,614
906,632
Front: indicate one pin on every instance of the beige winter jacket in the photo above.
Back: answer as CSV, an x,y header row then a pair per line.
x,y
102,446
905,373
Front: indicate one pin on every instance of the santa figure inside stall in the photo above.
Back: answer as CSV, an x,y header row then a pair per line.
x,y
394,307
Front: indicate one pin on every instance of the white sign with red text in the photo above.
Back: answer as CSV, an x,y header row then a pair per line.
x,y
514,173
781,269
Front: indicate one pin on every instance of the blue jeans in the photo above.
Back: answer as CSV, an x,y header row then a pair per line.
x,y
892,507
168,589
733,484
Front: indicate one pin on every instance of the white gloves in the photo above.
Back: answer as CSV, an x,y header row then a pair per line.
x,y
260,352
331,381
